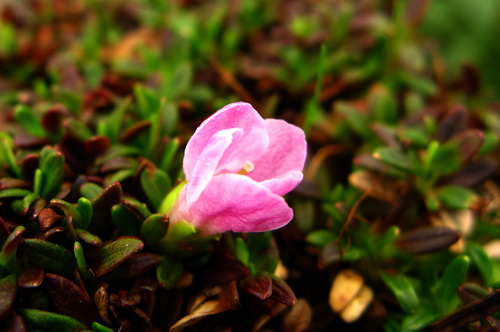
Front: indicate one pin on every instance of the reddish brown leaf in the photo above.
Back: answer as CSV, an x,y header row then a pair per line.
x,y
428,239
69,298
260,286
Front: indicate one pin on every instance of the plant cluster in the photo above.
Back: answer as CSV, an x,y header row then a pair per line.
x,y
396,222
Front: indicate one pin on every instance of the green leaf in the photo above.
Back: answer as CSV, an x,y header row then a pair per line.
x,y
242,252
7,155
91,190
169,153
14,193
126,222
445,290
404,291
320,237
156,185
397,158
115,253
69,210
169,272
483,263
8,289
21,206
456,197
100,328
85,209
154,228
49,256
29,120
419,320
49,321
51,165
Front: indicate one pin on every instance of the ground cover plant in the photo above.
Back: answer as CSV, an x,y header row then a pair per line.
x,y
128,202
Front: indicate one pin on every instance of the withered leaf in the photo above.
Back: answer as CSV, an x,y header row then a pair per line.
x,y
69,298
427,239
298,318
260,286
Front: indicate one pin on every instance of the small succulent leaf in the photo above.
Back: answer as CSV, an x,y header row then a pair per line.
x,y
10,245
138,264
85,209
119,176
81,262
49,256
425,240
156,184
404,291
467,143
126,222
472,174
21,206
417,321
31,277
7,183
470,292
7,155
398,159
96,144
91,190
483,263
96,327
4,231
115,253
101,207
49,321
51,165
242,252
29,120
169,272
14,323
89,238
281,292
69,298
154,228
260,286
8,289
137,207
14,193
446,289
119,163
358,121
69,210
321,237
456,197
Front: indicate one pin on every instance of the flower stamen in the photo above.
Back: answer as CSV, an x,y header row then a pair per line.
x,y
247,168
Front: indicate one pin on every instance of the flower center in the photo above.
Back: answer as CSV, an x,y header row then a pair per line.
x,y
246,168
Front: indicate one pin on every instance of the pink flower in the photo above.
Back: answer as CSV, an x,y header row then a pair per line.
x,y
237,167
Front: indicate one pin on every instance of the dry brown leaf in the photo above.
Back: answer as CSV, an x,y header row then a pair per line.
x,y
208,308
298,318
345,288
358,305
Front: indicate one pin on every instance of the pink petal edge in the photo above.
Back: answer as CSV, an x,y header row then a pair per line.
x,y
232,202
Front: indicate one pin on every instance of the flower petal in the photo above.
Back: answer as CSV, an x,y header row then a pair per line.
x,y
237,203
248,147
208,161
283,159
283,185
